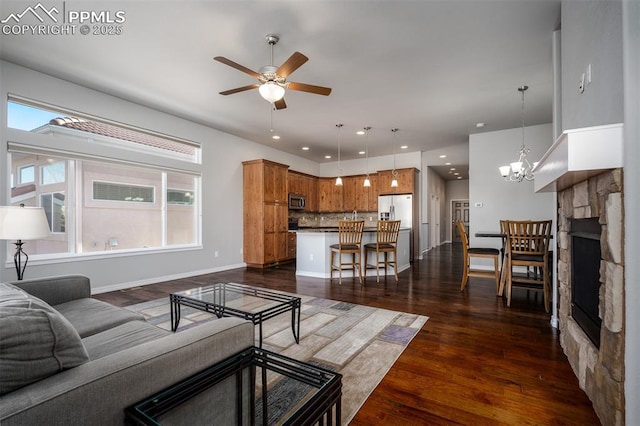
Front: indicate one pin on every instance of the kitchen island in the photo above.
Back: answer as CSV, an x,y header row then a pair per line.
x,y
313,255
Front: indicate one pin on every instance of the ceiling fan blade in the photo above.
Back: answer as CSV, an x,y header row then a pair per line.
x,y
280,104
237,66
294,62
302,87
240,89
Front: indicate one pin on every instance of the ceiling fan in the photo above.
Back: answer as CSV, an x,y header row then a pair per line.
x,y
272,79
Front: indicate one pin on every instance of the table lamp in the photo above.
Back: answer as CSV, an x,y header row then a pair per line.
x,y
22,223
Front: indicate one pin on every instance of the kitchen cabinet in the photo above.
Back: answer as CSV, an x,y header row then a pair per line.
x,y
292,246
307,185
357,196
407,179
265,213
330,196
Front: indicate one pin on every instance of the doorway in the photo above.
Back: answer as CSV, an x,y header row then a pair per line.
x,y
459,211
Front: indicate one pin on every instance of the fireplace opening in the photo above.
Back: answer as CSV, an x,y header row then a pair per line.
x,y
585,276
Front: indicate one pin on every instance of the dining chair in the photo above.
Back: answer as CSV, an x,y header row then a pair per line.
x,y
350,243
477,252
528,249
386,243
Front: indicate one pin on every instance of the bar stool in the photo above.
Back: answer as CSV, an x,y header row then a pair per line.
x,y
386,242
349,242
479,252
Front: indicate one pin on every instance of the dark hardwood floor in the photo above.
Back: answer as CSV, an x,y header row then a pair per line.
x,y
474,362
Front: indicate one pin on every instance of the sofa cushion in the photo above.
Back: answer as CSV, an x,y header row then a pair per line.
x,y
91,316
35,340
125,336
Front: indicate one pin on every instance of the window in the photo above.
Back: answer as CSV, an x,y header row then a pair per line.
x,y
52,173
54,209
179,197
138,191
27,174
120,192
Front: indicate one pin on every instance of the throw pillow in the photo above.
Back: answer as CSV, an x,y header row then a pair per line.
x,y
35,340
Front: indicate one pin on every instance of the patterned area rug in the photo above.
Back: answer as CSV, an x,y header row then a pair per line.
x,y
360,342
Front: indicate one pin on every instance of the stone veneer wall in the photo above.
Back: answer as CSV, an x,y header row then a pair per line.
x,y
600,372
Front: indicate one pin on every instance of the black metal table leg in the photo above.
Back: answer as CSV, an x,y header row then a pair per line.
x,y
175,313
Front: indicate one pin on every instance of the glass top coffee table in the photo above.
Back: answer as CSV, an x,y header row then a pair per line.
x,y
268,389
237,300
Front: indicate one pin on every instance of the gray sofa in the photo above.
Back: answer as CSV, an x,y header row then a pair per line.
x,y
68,359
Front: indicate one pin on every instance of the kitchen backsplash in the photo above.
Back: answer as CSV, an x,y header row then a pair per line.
x,y
330,219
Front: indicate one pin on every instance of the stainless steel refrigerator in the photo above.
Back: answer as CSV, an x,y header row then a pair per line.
x,y
400,206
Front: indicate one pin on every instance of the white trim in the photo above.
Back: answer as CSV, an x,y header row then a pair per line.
x,y
122,286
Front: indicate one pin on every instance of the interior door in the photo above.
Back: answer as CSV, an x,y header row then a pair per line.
x,y
459,211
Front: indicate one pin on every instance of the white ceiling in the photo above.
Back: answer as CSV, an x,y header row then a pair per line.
x,y
432,69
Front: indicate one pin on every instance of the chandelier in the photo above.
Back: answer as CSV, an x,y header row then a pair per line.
x,y
519,170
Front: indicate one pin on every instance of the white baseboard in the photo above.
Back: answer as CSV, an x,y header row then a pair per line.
x,y
155,280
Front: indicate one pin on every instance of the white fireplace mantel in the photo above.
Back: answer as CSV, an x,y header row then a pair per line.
x,y
577,155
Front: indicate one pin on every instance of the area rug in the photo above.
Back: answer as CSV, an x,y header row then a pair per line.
x,y
359,342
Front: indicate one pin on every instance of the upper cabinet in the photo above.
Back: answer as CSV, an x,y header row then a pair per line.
x,y
307,185
359,197
275,182
330,196
407,179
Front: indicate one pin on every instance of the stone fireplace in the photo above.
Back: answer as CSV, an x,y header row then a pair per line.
x,y
598,361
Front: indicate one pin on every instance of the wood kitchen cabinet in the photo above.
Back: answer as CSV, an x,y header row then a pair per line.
x,y
357,196
330,196
292,245
407,179
307,185
265,213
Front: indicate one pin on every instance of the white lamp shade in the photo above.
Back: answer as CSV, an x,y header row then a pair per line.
x,y
504,170
367,182
516,166
271,91
394,183
338,181
23,223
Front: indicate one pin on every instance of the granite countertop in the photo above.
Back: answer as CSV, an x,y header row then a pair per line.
x,y
334,229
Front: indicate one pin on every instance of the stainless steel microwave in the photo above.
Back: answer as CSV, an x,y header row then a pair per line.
x,y
296,202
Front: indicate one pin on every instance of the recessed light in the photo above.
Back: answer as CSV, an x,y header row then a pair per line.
x,y
443,156
361,152
276,137
456,174
360,132
404,147
479,125
327,157
305,148
453,168
459,177
447,164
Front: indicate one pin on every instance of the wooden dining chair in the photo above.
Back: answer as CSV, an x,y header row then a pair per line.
x,y
477,252
386,243
528,249
349,242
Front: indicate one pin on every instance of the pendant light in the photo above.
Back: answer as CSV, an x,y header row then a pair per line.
x,y
367,182
394,172
521,169
339,178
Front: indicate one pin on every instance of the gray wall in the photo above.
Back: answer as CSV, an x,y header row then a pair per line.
x,y
631,37
222,155
591,34
500,199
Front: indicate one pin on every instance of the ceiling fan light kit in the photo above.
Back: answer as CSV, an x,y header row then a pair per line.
x,y
272,80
